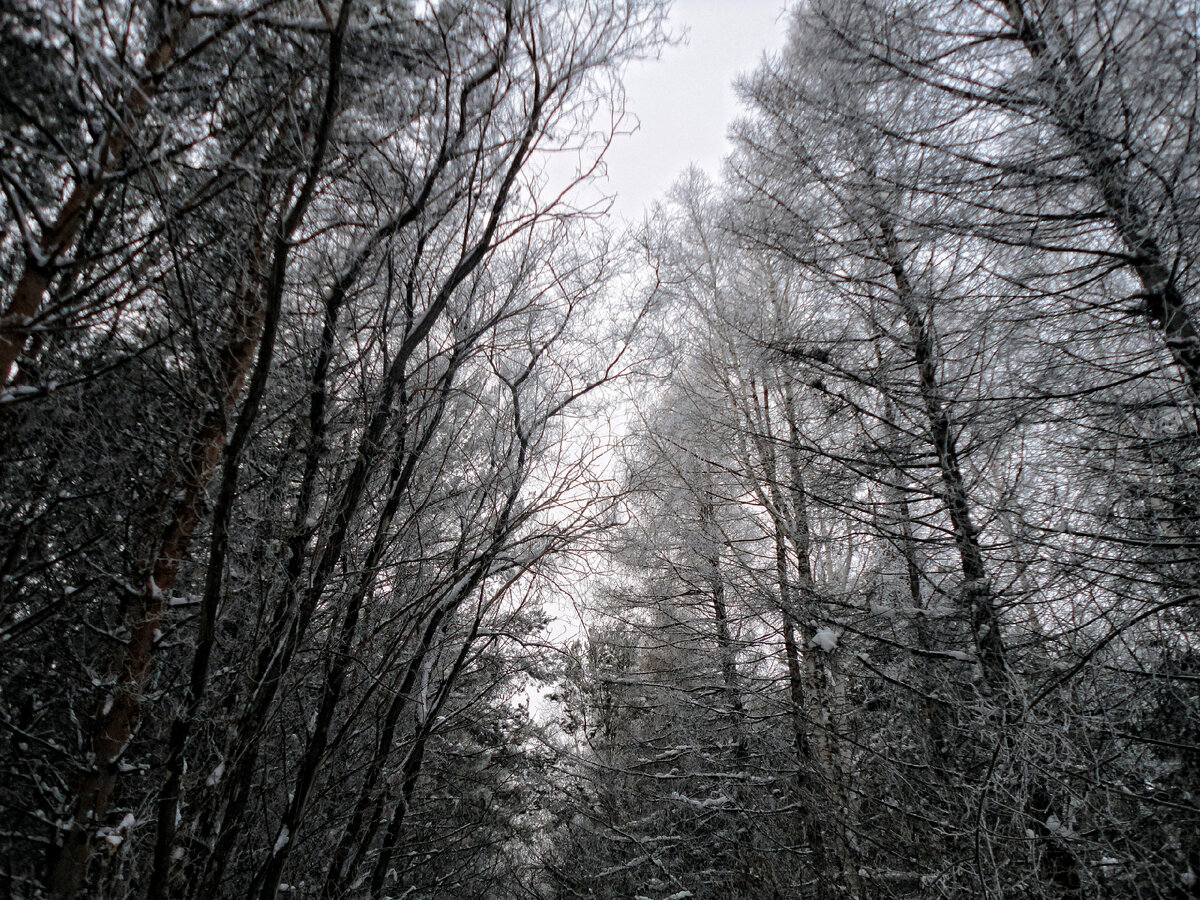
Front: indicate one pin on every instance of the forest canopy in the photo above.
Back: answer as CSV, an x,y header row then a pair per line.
x,y
381,518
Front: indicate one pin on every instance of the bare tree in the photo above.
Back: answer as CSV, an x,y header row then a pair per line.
x,y
394,271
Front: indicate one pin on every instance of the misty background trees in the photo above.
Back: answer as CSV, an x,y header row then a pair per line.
x,y
379,520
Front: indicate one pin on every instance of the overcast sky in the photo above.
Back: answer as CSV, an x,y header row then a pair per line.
x,y
686,101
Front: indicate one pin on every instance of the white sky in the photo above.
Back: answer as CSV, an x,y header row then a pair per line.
x,y
685,101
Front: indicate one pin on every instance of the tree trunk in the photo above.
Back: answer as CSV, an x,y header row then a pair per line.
x,y
411,770
40,266
1074,114
143,612
977,594
1059,863
725,646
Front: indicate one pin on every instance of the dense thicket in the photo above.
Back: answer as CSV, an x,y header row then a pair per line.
x,y
906,602
310,379
297,329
